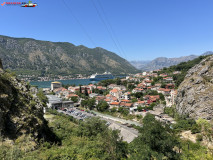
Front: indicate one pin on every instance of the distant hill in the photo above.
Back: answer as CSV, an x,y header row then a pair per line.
x,y
162,62
30,56
207,53
139,64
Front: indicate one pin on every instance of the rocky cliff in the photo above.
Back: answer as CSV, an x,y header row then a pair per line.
x,y
195,94
21,114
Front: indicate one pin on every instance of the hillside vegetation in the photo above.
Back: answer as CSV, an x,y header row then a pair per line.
x,y
183,67
94,140
21,114
29,56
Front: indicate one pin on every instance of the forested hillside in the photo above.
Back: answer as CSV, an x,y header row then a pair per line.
x,y
30,56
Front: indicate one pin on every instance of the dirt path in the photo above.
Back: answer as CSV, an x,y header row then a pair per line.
x,y
188,135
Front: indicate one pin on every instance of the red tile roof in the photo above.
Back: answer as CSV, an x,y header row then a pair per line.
x,y
125,100
107,100
141,102
114,90
128,104
115,103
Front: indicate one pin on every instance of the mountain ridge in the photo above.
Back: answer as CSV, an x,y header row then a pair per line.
x,y
161,62
63,58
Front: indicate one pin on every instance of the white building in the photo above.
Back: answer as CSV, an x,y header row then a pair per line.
x,y
55,85
144,74
57,103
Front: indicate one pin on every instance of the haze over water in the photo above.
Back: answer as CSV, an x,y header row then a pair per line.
x,y
46,84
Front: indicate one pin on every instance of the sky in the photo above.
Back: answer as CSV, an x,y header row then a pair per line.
x,y
133,29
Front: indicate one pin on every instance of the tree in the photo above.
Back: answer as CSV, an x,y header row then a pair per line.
x,y
139,108
123,111
106,92
152,83
102,106
154,142
162,97
152,105
118,81
112,146
152,92
120,109
131,86
92,127
114,109
80,89
163,85
91,103
74,99
138,94
134,100
206,128
83,103
42,97
86,92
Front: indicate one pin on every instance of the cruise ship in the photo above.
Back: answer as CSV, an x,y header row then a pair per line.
x,y
99,77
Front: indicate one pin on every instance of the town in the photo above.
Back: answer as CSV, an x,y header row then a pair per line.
x,y
129,98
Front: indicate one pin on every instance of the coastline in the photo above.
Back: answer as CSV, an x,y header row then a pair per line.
x,y
47,84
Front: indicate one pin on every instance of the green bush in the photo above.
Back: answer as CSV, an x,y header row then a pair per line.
x,y
154,142
139,108
199,137
196,129
184,124
114,109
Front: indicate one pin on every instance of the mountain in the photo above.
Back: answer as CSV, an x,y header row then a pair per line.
x,y
161,62
207,53
30,56
21,114
139,64
195,93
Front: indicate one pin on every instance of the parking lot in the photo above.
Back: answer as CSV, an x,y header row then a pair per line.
x,y
126,131
77,113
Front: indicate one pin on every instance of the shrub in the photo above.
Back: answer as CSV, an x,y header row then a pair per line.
x,y
199,137
139,108
114,109
196,129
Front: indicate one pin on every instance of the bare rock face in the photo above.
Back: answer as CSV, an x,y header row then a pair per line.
x,y
195,94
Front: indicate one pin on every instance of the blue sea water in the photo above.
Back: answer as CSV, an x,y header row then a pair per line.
x,y
47,84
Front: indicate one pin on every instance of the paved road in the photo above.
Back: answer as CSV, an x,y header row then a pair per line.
x,y
127,133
